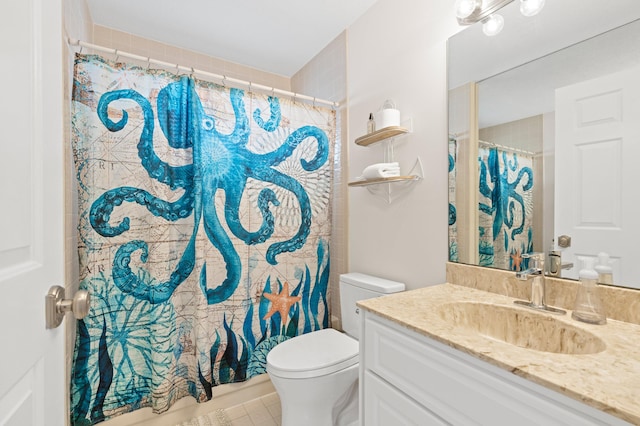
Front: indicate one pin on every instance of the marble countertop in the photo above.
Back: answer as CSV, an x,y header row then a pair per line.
x,y
607,380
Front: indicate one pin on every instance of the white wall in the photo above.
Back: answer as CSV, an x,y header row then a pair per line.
x,y
397,50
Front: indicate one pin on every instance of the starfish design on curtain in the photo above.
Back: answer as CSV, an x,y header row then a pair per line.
x,y
517,260
281,302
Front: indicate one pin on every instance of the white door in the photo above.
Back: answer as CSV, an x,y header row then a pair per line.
x,y
597,171
32,385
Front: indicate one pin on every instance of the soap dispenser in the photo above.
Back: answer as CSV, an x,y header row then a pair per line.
x,y
588,307
604,269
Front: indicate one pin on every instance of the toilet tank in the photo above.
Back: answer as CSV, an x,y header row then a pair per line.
x,y
355,286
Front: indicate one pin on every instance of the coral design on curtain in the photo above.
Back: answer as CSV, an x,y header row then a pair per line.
x,y
506,208
204,226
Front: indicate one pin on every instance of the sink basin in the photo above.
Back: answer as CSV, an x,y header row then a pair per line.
x,y
521,327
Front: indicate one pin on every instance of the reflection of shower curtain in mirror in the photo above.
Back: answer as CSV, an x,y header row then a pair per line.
x,y
204,226
453,216
505,208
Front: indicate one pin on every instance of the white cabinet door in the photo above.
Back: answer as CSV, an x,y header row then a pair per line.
x,y
32,389
597,171
385,405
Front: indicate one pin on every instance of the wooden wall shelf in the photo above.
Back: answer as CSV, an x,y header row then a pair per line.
x,y
384,180
380,135
382,186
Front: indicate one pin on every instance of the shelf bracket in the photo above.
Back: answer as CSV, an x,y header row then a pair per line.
x,y
391,191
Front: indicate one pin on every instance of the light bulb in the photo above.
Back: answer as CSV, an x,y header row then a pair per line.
x,y
464,8
492,25
531,7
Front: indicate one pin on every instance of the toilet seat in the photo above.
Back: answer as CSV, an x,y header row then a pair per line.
x,y
313,354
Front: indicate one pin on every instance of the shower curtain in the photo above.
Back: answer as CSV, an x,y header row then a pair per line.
x,y
204,226
505,208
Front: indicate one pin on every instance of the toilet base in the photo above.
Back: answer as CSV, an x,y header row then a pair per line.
x,y
319,401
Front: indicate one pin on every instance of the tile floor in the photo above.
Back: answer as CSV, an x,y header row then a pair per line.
x,y
263,411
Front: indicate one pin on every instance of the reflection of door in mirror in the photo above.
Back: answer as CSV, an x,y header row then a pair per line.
x,y
598,138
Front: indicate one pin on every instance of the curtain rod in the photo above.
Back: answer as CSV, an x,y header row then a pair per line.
x,y
190,70
507,148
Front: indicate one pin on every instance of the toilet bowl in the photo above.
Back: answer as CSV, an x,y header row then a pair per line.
x,y
316,374
316,371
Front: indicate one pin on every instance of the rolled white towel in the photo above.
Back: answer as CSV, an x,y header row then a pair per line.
x,y
381,170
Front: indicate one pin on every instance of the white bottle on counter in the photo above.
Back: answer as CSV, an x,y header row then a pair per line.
x,y
588,306
604,269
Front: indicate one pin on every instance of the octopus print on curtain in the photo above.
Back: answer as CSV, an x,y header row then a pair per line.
x,y
506,208
204,224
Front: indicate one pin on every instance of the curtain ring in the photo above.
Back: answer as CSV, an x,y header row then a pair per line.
x,y
250,87
148,62
224,83
80,52
192,73
117,54
314,101
273,92
177,69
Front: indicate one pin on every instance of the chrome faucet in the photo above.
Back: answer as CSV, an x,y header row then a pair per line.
x,y
535,272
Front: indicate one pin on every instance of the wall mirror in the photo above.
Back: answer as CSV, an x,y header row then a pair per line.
x,y
544,139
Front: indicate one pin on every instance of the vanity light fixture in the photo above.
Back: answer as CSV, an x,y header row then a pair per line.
x,y
492,25
471,11
465,8
531,7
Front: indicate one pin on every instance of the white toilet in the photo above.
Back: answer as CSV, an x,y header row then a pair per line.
x,y
316,374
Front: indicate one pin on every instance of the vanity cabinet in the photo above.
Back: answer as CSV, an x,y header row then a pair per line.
x,y
407,378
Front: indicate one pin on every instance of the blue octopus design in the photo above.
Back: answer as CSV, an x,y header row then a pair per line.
x,y
452,209
220,161
504,194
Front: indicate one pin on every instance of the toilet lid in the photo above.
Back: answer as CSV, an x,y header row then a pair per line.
x,y
313,354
